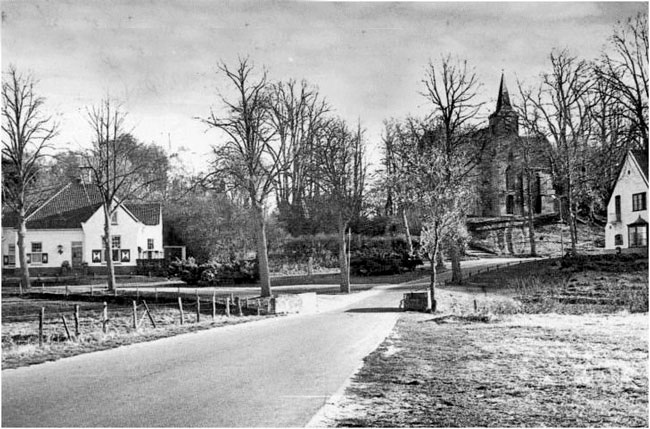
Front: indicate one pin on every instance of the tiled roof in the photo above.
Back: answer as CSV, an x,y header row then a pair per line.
x,y
63,220
74,204
642,159
147,213
73,196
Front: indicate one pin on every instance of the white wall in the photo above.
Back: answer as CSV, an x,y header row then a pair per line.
x,y
127,228
50,240
630,181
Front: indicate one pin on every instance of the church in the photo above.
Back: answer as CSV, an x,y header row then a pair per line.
x,y
511,167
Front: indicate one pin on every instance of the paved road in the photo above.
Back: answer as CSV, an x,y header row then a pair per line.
x,y
273,373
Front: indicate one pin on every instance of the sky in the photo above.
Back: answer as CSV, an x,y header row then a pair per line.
x,y
159,58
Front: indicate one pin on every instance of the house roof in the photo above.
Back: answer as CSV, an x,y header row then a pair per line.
x,y
76,203
641,158
147,213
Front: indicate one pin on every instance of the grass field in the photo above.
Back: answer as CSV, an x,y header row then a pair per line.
x,y
525,370
555,343
20,327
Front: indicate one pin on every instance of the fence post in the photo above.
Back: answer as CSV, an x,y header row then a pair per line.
x,y
65,325
146,307
20,288
180,308
114,291
155,292
135,315
76,320
475,306
41,317
227,306
258,307
268,306
198,308
42,287
238,303
67,292
105,317
214,305
91,290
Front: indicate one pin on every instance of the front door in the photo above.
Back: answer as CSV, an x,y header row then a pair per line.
x,y
77,254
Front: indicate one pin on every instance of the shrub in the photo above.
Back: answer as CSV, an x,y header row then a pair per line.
x,y
214,273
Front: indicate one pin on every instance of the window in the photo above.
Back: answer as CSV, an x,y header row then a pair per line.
x,y
509,178
114,218
638,235
10,257
510,204
638,202
116,243
617,206
37,256
149,243
618,240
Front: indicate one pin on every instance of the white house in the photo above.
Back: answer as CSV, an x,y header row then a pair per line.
x,y
70,226
627,210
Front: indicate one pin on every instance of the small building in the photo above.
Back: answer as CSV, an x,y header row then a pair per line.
x,y
67,230
627,210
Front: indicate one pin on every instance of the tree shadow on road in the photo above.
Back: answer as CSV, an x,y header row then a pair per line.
x,y
375,310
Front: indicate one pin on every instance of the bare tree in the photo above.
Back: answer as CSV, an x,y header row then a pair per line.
x,y
250,160
625,71
27,133
296,112
560,110
452,89
435,183
122,168
341,169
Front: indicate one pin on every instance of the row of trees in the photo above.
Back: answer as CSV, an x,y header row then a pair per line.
x,y
282,139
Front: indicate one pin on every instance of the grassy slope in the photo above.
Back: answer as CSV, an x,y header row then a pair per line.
x,y
568,364
559,370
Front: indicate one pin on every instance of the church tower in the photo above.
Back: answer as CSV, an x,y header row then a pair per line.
x,y
504,121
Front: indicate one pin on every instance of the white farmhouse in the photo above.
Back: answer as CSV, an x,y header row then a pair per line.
x,y
68,230
627,210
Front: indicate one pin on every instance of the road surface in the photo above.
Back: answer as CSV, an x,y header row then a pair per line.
x,y
271,373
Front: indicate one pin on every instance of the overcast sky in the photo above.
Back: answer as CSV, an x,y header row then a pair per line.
x,y
368,59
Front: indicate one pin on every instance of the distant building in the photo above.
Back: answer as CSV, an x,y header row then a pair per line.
x,y
500,185
70,226
627,210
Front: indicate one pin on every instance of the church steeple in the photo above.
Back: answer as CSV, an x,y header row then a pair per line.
x,y
503,101
504,120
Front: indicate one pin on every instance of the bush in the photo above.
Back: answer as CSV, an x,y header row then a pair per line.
x,y
369,255
214,273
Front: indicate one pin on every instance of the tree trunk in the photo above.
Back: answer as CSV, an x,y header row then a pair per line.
x,y
343,258
434,280
407,229
22,251
108,247
454,255
531,223
440,262
262,251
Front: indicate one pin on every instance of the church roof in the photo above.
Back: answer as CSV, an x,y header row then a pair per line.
x,y
503,100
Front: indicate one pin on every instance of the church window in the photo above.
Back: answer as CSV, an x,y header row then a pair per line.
x,y
510,204
509,178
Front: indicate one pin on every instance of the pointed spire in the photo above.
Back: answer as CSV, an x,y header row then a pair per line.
x,y
504,98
